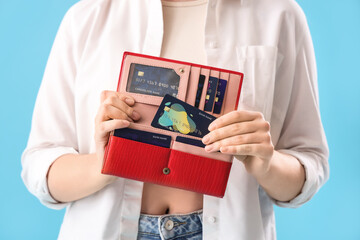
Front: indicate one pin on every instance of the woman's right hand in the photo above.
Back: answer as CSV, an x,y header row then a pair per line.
x,y
115,112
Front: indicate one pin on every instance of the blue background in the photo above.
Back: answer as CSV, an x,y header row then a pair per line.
x,y
27,31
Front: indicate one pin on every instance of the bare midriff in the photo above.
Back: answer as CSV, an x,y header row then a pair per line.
x,y
159,200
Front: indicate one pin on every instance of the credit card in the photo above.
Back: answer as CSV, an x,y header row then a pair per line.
x,y
219,97
190,141
151,80
210,94
156,139
178,116
199,90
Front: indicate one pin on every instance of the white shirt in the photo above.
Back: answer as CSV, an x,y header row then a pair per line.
x,y
268,41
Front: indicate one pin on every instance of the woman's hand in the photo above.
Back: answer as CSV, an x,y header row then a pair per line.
x,y
246,135
66,175
115,112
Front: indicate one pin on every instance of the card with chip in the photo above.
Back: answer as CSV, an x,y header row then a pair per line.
x,y
210,94
152,80
219,97
178,116
190,141
157,139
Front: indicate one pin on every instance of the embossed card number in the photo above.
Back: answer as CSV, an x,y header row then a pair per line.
x,y
151,80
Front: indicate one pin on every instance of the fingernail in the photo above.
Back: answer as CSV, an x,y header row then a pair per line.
x,y
212,127
126,123
208,148
129,101
135,115
206,139
224,149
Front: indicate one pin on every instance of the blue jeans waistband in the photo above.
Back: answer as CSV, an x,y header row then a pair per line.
x,y
169,226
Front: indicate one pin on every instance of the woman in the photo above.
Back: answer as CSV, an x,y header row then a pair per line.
x,y
276,134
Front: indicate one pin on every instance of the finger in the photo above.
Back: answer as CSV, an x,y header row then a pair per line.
x,y
257,150
106,127
109,112
231,130
242,139
126,98
117,102
234,117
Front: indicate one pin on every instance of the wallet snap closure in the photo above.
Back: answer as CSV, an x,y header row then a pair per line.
x,y
166,171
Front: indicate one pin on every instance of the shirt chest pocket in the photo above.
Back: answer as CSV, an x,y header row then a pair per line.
x,y
258,63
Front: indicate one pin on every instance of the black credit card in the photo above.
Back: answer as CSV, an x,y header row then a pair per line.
x,y
219,97
199,90
156,139
152,80
210,94
190,141
178,116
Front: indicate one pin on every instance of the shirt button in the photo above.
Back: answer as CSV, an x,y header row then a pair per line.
x,y
213,4
212,219
212,44
169,225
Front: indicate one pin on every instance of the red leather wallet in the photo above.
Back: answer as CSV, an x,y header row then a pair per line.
x,y
182,165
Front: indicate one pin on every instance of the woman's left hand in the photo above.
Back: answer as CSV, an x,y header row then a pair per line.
x,y
245,134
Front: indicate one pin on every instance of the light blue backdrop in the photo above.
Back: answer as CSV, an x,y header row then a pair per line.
x,y
27,30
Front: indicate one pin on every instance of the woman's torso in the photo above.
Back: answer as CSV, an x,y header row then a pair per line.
x,y
184,27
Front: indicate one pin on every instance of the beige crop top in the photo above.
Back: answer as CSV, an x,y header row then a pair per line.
x,y
184,26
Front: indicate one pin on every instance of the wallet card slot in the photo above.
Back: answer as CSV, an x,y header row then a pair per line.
x,y
191,149
220,97
158,130
206,73
211,90
149,85
157,139
192,85
232,93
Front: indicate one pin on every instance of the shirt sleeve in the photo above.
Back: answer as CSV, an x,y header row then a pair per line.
x,y
53,130
302,134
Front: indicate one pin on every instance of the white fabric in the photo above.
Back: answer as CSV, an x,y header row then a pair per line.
x,y
267,40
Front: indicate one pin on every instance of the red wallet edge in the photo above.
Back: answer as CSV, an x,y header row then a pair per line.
x,y
239,91
107,149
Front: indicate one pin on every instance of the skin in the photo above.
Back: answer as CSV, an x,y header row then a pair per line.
x,y
244,134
